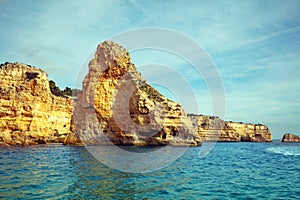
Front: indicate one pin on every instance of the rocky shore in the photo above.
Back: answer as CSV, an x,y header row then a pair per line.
x,y
116,106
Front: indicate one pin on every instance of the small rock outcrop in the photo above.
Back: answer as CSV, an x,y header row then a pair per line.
x,y
117,106
29,113
212,128
288,137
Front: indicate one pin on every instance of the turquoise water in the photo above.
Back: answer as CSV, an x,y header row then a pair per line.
x,y
230,171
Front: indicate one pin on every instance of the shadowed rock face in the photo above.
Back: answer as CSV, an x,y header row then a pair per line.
x,y
288,137
118,106
29,113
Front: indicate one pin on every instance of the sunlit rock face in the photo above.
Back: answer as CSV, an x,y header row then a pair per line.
x,y
117,106
29,112
288,137
212,128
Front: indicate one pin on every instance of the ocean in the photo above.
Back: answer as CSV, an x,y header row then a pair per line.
x,y
229,171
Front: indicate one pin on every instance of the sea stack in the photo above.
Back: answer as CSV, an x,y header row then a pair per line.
x,y
288,137
118,107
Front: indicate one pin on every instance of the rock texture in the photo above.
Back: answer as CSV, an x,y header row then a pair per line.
x,y
288,137
212,128
29,113
117,106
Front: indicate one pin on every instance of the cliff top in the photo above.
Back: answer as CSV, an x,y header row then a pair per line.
x,y
18,65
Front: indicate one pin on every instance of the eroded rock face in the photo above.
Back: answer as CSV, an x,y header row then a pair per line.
x,y
288,137
212,128
117,106
29,113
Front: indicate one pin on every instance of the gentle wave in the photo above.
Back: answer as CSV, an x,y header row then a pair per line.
x,y
286,150
229,171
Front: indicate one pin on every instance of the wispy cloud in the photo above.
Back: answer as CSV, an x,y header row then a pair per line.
x,y
240,44
255,45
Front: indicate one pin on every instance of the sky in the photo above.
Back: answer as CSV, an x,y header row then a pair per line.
x,y
255,46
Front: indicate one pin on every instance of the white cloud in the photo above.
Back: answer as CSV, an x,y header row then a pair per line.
x,y
255,45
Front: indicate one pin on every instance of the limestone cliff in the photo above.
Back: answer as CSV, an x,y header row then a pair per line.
x,y
211,128
288,137
29,113
118,106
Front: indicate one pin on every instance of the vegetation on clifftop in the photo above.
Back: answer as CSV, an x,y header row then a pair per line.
x,y
62,93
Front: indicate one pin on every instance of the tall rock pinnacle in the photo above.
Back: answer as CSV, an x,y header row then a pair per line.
x,y
117,106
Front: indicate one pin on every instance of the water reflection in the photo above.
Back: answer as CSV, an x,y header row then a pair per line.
x,y
36,171
95,179
137,159
60,172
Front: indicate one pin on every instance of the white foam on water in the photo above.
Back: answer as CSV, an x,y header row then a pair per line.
x,y
286,150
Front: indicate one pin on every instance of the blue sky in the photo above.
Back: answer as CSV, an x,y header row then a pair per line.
x,y
254,44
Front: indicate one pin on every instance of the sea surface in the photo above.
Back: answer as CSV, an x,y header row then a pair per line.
x,y
229,171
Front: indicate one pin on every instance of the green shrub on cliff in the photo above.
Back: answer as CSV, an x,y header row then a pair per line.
x,y
55,90
62,93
